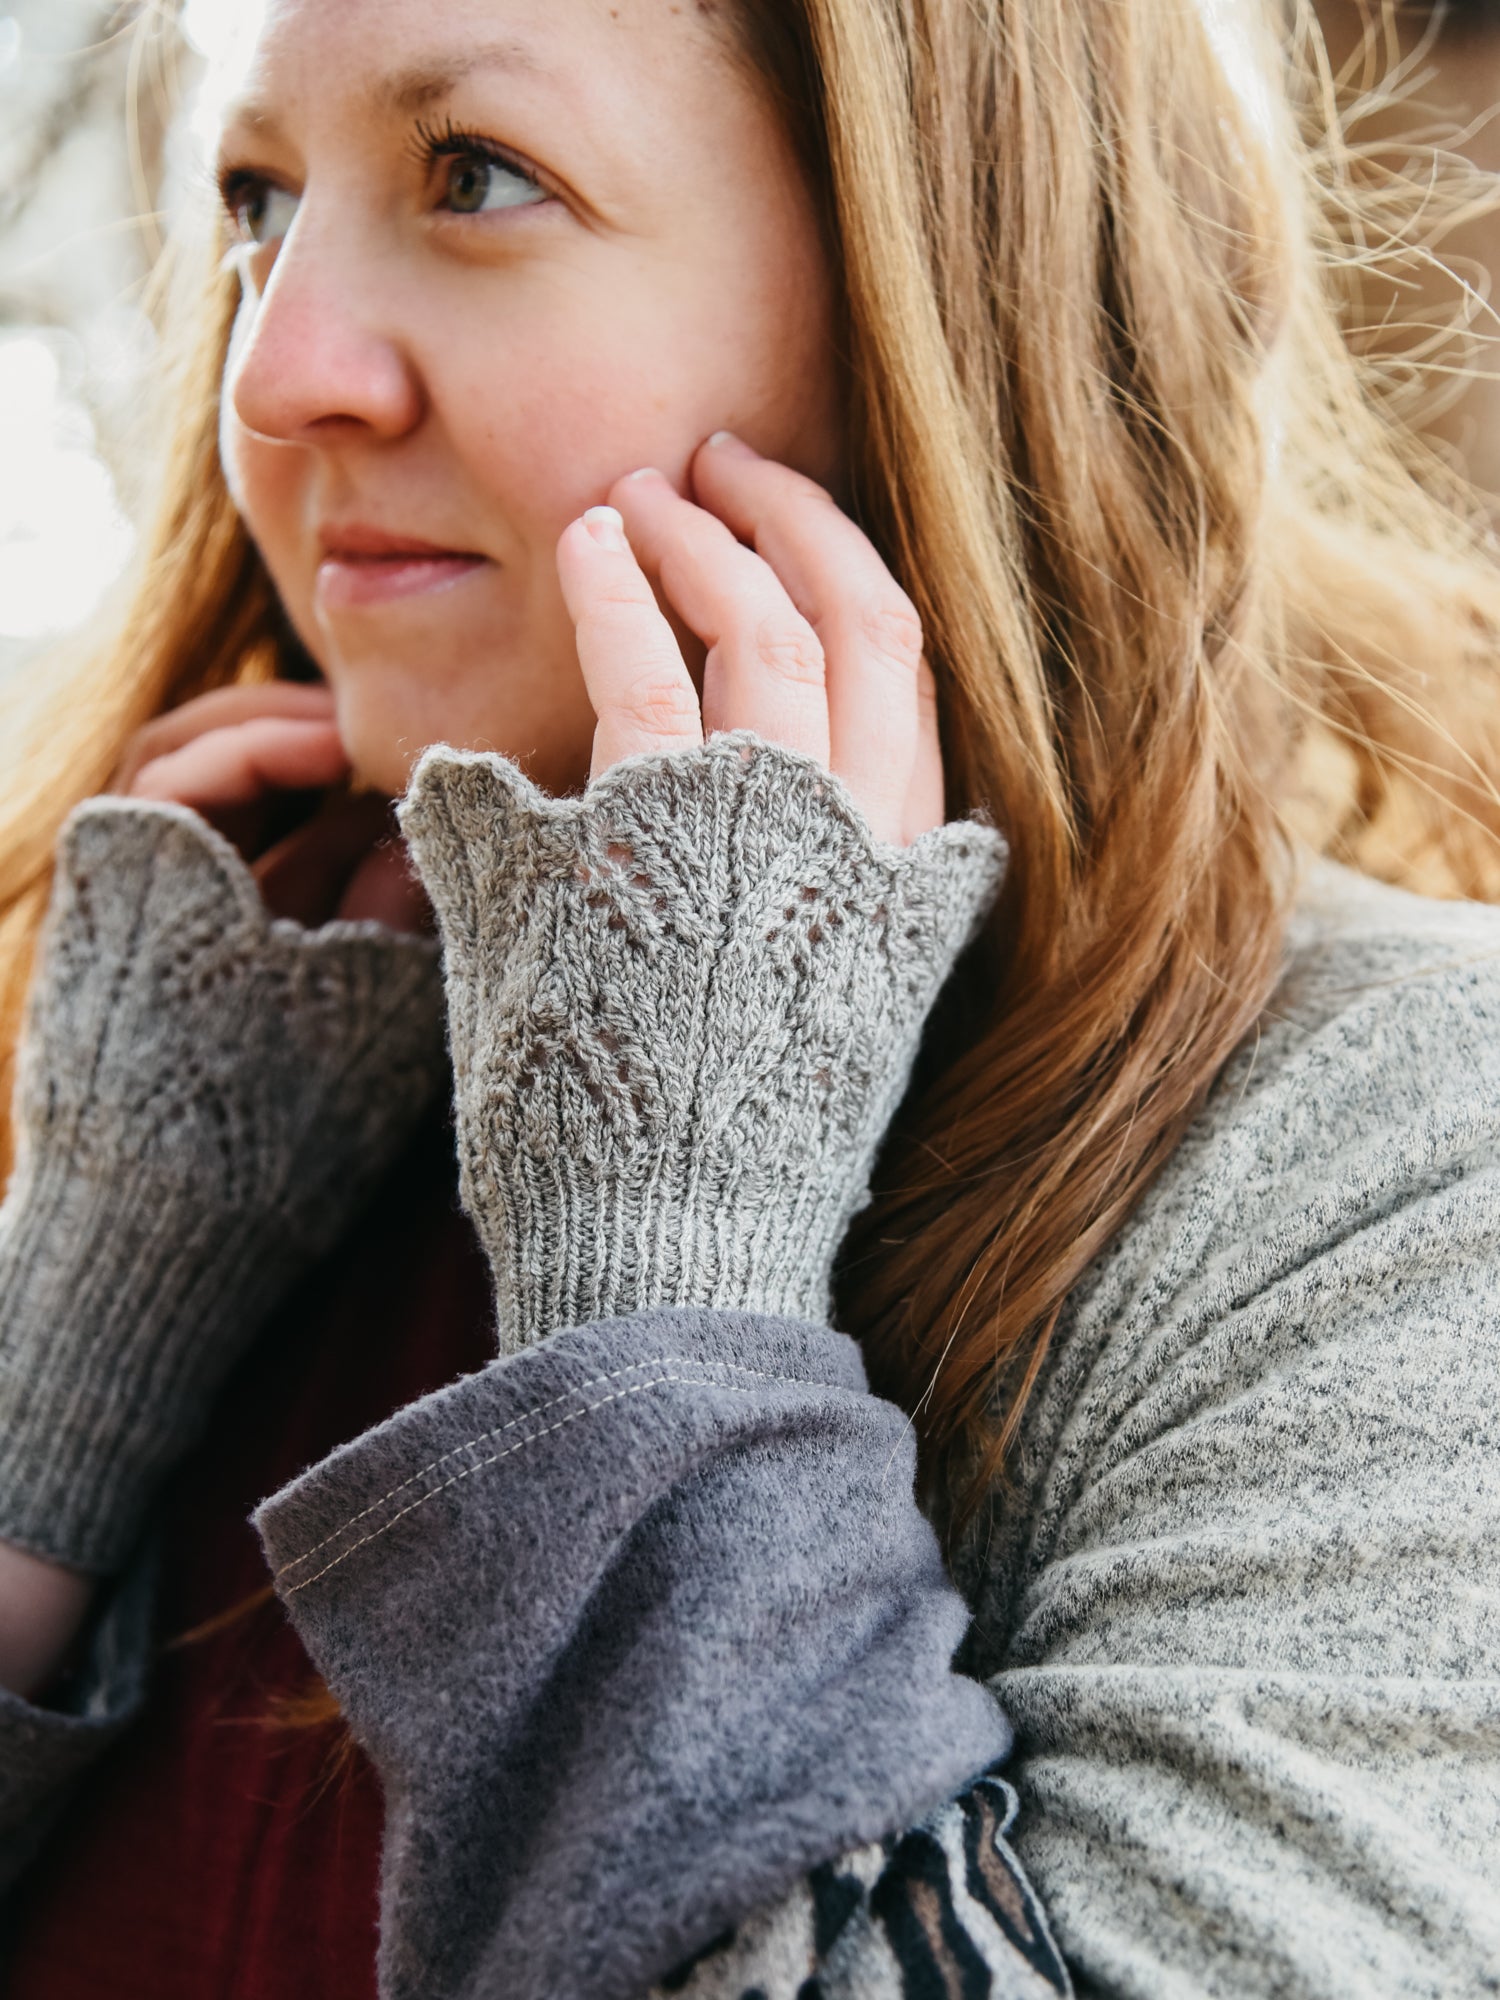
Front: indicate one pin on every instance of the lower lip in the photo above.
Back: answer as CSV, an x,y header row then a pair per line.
x,y
382,579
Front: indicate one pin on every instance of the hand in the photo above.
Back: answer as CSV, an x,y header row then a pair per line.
x,y
811,642
240,756
706,978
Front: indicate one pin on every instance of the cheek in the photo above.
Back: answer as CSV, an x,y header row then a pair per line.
x,y
569,415
566,395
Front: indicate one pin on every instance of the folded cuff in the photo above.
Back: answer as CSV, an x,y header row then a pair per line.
x,y
638,1625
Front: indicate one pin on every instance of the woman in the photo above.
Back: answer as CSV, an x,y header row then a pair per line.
x,y
753,445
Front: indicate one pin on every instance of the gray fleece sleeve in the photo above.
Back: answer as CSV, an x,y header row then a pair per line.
x,y
639,1626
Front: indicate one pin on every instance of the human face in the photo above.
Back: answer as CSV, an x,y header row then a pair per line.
x,y
495,254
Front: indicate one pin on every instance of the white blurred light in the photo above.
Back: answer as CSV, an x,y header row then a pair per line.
x,y
63,536
210,25
225,33
1235,35
10,40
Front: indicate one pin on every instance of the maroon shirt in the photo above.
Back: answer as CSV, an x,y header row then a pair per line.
x,y
212,1854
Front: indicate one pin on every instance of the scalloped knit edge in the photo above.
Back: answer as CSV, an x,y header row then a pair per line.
x,y
723,745
240,884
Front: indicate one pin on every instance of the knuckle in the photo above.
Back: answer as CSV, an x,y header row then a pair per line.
x,y
659,704
156,779
791,650
623,594
891,628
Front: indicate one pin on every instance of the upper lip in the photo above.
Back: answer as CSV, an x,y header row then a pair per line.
x,y
357,541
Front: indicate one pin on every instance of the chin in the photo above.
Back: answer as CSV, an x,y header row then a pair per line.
x,y
390,712
384,753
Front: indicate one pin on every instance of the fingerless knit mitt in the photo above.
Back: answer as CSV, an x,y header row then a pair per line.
x,y
682,1009
205,1096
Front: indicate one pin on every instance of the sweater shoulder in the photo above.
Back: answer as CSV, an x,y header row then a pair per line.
x,y
1381,1036
1328,1225
1355,947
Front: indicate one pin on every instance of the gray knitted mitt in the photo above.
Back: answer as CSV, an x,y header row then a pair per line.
x,y
682,1011
205,1096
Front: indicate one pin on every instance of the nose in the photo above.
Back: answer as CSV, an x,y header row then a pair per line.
x,y
318,355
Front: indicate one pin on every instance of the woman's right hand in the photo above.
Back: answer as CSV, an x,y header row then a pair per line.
x,y
239,756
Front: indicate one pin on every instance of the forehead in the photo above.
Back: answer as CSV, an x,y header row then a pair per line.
x,y
406,54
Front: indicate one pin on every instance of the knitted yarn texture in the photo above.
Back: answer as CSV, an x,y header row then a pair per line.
x,y
682,1010
205,1095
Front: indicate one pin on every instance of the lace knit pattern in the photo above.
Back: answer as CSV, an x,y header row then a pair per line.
x,y
682,1009
204,1097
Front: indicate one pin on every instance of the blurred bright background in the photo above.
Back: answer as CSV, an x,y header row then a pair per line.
x,y
92,171
89,174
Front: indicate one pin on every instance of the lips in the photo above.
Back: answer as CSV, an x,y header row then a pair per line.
x,y
365,565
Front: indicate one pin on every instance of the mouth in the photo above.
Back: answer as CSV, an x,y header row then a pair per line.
x,y
363,565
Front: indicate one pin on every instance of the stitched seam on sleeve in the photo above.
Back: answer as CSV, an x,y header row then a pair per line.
x,y
488,1437
635,1389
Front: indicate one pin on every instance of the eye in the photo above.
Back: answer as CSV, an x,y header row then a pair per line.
x,y
476,177
259,212
477,184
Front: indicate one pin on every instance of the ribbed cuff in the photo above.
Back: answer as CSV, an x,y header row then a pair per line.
x,y
91,1424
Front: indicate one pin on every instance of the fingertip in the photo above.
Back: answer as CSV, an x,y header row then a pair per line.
x,y
728,445
605,526
598,530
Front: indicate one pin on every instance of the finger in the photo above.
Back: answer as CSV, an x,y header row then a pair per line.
x,y
239,765
218,710
764,669
868,629
926,803
632,666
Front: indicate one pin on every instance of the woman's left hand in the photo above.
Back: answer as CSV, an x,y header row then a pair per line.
x,y
810,641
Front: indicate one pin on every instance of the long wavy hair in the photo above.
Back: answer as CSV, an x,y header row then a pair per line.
x,y
1191,595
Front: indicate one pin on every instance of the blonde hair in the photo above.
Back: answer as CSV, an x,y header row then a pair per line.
x,y
1184,589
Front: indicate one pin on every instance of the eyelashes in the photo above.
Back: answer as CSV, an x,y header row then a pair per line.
x,y
250,198
449,141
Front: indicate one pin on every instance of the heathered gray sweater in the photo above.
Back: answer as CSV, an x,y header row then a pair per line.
x,y
644,1632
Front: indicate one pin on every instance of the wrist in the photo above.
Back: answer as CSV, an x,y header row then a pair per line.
x,y
43,1608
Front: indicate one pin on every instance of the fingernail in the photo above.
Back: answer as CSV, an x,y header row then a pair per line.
x,y
644,472
728,442
607,526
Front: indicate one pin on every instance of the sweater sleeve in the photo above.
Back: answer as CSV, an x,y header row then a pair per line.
x,y
640,1626
1244,1606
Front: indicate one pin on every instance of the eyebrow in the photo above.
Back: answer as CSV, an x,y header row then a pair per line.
x,y
427,83
419,86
